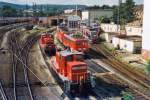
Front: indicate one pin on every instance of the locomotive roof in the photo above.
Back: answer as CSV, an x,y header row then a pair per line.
x,y
67,53
74,38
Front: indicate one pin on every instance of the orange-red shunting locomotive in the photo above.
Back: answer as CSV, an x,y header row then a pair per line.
x,y
47,44
72,70
73,42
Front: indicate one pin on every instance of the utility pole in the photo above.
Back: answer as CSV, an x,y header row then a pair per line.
x,y
47,14
26,9
119,29
76,9
118,22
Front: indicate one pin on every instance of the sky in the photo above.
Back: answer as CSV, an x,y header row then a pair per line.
x,y
82,2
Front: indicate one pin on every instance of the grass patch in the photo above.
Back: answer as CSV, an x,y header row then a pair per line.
x,y
127,96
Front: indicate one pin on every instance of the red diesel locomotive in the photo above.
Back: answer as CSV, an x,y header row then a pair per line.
x,y
47,44
72,70
73,42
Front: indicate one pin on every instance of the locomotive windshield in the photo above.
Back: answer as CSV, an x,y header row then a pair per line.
x,y
79,67
69,58
79,57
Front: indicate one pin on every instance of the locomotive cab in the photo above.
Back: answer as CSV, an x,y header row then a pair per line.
x,y
46,38
68,62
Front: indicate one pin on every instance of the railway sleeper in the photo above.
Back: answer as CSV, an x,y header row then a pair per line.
x,y
21,84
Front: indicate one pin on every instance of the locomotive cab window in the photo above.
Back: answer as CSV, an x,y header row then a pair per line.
x,y
79,67
69,58
79,57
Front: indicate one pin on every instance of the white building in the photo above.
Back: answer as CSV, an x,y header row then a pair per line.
x,y
131,44
146,31
110,31
110,28
94,14
68,11
108,36
73,22
133,30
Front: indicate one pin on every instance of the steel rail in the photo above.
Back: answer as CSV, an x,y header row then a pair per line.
x,y
15,49
110,62
2,92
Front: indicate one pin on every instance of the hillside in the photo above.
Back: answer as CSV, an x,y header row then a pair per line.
x,y
44,6
16,6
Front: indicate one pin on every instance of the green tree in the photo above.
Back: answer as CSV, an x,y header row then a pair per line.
x,y
148,66
8,11
129,7
115,14
124,13
94,7
101,19
104,19
105,7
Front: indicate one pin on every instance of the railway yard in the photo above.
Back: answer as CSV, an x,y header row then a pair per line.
x,y
25,72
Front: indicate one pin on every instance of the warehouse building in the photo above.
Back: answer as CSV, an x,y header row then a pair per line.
x,y
92,15
131,44
110,31
133,30
130,40
73,22
110,28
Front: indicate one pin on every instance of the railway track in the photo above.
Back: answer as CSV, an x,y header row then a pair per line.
x,y
25,52
103,89
19,59
99,52
21,68
19,51
3,95
7,28
124,69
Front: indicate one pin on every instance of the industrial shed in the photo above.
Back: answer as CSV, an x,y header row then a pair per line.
x,y
131,44
133,30
108,36
110,27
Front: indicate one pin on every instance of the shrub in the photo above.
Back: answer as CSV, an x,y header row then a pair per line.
x,y
148,66
127,96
